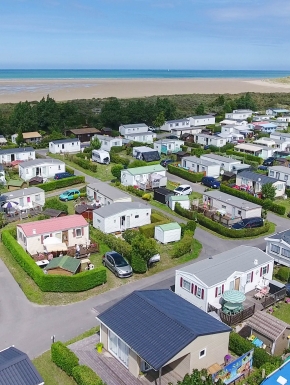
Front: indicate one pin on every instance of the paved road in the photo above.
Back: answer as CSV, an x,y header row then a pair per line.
x,y
30,327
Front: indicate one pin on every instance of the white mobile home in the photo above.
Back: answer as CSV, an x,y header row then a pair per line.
x,y
225,163
278,247
64,146
170,232
45,168
107,142
253,182
16,154
101,156
183,200
243,268
2,175
170,125
254,149
146,177
179,131
201,120
280,173
281,136
168,146
210,140
121,216
126,129
277,111
105,194
285,119
229,205
27,198
195,164
142,137
239,114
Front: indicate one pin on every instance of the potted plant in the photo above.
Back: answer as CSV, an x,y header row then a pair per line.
x,y
99,347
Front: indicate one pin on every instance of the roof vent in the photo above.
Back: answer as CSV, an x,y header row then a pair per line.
x,y
33,231
255,262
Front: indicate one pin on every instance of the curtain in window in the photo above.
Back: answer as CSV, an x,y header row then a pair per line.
x,y
113,343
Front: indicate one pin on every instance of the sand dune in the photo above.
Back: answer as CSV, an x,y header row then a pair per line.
x,y
12,91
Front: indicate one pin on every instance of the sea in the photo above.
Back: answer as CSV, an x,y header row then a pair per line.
x,y
137,74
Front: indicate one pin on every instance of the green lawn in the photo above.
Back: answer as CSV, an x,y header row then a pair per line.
x,y
285,203
282,312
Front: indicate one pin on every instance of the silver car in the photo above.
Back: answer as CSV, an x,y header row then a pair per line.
x,y
117,264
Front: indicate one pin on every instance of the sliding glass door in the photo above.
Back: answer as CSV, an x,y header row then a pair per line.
x,y
118,348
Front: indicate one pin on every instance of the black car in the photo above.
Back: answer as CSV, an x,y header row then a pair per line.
x,y
62,175
263,168
172,137
166,162
210,181
269,161
248,223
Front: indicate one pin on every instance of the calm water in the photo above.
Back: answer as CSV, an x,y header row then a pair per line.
x,y
138,74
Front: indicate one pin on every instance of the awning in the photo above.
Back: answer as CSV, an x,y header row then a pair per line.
x,y
234,296
55,247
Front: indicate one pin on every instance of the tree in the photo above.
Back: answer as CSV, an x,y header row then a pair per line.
x,y
268,191
200,109
137,163
143,247
19,138
112,113
160,119
198,378
95,144
55,203
116,170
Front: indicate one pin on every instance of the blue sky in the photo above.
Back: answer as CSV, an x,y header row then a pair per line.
x,y
149,34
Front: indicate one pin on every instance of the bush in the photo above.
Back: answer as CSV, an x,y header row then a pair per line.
x,y
157,217
149,230
147,197
138,264
115,158
70,170
183,246
135,191
61,183
86,164
117,149
81,155
245,156
283,274
129,235
55,203
191,226
116,170
192,177
63,357
267,204
219,228
137,163
83,375
53,283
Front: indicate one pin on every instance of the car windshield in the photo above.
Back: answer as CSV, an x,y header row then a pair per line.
x,y
179,189
119,260
239,225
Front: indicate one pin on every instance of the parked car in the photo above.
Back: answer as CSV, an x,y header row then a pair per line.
x,y
172,137
183,189
117,264
263,168
70,195
210,181
166,162
248,223
62,175
269,161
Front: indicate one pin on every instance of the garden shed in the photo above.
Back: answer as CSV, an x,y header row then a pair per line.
x,y
170,232
162,195
183,200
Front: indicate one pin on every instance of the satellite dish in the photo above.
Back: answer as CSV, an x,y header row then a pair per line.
x,y
222,172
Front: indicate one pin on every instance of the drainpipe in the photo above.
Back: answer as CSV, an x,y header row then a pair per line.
x,y
160,374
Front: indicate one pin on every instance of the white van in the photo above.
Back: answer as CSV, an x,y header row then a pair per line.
x,y
101,156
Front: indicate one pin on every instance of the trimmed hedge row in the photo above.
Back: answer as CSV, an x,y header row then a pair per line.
x,y
192,177
245,156
86,164
70,170
219,228
149,230
115,158
117,149
83,375
267,204
53,283
60,183
183,246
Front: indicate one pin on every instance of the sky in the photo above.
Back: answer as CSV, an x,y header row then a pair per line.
x,y
145,34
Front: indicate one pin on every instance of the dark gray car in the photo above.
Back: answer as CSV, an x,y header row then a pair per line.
x,y
117,264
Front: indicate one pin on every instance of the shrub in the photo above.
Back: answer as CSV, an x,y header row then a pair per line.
x,y
138,264
245,156
147,197
137,163
70,170
283,274
115,158
86,164
191,226
183,246
192,177
157,217
82,155
117,149
149,230
63,357
116,170
61,183
53,283
135,191
55,203
83,375
129,235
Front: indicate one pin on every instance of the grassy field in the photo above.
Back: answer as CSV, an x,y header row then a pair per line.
x,y
283,312
285,203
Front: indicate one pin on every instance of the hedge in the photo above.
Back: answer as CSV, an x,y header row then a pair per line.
x,y
138,264
55,203
267,204
86,164
245,156
135,191
63,357
70,170
149,230
192,177
116,149
83,375
115,158
283,274
219,228
156,217
61,183
183,246
53,283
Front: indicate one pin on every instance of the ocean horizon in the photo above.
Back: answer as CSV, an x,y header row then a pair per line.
x,y
51,74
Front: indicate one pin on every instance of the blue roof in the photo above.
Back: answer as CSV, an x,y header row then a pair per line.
x,y
158,324
283,371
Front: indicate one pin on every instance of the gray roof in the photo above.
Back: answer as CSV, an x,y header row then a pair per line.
x,y
16,150
60,141
37,162
10,195
207,136
177,120
134,125
158,324
284,169
215,270
119,207
143,149
191,128
267,325
263,179
160,141
220,158
202,116
231,200
197,160
108,191
139,134
17,369
107,138
283,235
279,133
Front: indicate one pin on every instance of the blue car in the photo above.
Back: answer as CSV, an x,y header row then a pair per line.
x,y
70,195
210,181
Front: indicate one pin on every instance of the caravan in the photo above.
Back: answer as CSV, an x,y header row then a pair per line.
x,y
101,156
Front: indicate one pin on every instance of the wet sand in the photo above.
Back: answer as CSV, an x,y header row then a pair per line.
x,y
13,91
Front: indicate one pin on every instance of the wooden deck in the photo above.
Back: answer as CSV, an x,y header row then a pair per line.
x,y
111,371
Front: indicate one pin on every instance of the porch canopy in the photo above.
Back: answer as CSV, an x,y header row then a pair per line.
x,y
56,247
234,296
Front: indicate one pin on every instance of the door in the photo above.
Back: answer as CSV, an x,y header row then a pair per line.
x,y
38,171
12,157
123,222
127,222
65,236
237,283
62,146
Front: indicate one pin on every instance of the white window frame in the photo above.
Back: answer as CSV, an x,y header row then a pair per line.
x,y
198,292
184,285
202,353
273,246
264,270
37,197
284,252
78,229
249,277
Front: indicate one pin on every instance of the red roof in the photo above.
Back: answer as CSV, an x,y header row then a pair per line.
x,y
53,224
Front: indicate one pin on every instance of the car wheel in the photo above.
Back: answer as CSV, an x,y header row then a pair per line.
x,y
104,263
116,274
65,200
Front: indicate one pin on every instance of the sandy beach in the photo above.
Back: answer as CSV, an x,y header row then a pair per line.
x,y
13,91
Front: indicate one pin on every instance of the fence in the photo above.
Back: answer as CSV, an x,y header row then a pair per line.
x,y
271,299
233,319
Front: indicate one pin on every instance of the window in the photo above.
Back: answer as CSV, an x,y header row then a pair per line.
x,y
198,292
219,290
275,249
115,143
27,171
136,216
285,177
98,220
73,143
285,253
78,232
37,197
24,240
202,353
185,285
232,285
271,173
59,167
118,348
264,270
249,277
239,212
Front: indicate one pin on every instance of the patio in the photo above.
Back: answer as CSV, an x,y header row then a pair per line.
x,y
111,371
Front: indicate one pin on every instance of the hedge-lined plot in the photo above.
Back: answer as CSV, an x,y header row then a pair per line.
x,y
61,183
